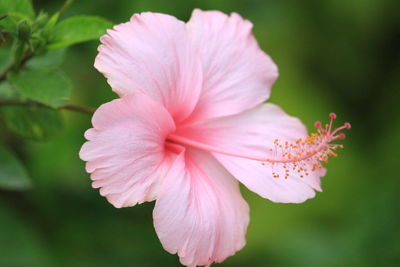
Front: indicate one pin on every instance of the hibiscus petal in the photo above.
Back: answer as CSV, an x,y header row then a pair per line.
x,y
125,153
259,179
250,134
200,213
238,75
152,54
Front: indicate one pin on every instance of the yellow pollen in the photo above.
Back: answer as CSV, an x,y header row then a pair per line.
x,y
305,155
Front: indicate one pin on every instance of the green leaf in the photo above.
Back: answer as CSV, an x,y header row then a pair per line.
x,y
48,87
50,24
5,58
12,174
6,91
10,23
16,10
33,122
50,60
23,7
78,29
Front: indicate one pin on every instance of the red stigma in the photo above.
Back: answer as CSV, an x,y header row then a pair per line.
x,y
341,136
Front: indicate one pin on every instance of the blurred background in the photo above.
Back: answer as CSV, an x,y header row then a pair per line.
x,y
333,55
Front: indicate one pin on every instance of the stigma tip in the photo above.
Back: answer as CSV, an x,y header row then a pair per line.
x,y
341,136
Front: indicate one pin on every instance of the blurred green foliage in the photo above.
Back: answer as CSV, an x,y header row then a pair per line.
x,y
33,47
333,55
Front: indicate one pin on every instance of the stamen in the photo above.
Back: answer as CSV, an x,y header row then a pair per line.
x,y
302,156
306,154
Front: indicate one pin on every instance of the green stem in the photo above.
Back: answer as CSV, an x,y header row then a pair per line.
x,y
25,58
15,102
66,5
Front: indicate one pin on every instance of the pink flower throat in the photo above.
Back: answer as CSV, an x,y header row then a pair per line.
x,y
303,155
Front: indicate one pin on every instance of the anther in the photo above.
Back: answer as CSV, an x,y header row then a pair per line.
x,y
307,154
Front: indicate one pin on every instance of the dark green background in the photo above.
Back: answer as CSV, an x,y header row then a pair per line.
x,y
334,55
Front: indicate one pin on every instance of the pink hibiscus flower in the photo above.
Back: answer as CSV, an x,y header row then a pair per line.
x,y
191,122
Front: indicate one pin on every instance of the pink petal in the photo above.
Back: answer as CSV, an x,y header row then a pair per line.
x,y
125,153
250,134
200,214
258,178
152,54
238,75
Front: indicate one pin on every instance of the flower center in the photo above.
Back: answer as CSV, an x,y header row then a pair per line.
x,y
302,156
